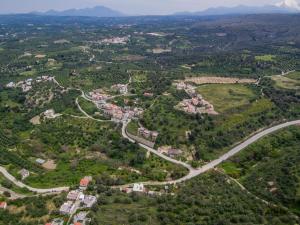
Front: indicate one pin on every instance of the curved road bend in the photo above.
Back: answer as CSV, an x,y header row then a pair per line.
x,y
22,185
192,172
124,134
195,172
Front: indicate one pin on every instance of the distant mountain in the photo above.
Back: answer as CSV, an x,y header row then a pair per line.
x,y
98,11
287,6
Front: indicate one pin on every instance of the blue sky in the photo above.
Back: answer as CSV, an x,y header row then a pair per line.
x,y
126,6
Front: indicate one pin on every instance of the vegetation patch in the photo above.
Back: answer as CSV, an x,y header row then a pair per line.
x,y
270,168
286,82
208,199
265,58
228,96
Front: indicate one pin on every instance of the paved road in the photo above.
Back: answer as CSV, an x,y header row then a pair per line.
x,y
22,185
87,115
13,195
124,134
195,172
192,172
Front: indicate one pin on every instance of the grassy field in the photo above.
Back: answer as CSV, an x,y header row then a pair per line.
x,y
294,75
89,107
260,106
128,212
67,173
265,58
226,96
287,82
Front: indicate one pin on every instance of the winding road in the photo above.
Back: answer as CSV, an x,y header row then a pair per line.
x,y
192,171
195,172
22,185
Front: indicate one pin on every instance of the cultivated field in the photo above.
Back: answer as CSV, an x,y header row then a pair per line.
x,y
219,80
286,82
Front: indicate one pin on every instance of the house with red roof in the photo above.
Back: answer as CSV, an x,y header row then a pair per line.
x,y
84,183
3,205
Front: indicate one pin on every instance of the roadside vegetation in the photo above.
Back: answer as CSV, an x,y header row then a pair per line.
x,y
270,168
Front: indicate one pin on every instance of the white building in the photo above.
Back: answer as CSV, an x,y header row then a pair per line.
x,y
68,208
11,85
24,173
138,188
89,201
75,195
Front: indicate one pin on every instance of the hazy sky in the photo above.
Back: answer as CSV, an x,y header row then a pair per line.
x,y
126,6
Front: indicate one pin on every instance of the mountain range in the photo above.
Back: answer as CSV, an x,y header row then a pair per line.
x,y
286,6
98,11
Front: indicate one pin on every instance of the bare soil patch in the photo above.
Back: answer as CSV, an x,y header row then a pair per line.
x,y
35,120
49,165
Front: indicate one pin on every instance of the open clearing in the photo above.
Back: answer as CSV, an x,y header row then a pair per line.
x,y
226,96
49,165
294,75
218,80
265,58
35,120
286,82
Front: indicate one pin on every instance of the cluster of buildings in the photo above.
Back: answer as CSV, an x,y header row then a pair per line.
x,y
121,88
115,40
27,84
115,112
118,113
112,110
79,219
189,89
196,104
76,199
169,151
98,96
50,114
152,135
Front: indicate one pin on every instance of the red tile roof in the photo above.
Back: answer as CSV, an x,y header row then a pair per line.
x,y
3,204
84,182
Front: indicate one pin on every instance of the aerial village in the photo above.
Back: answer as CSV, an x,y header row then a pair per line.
x,y
115,40
78,202
196,103
27,84
115,112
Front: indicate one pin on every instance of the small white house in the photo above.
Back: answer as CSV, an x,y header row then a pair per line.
x,y
24,173
138,188
40,161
